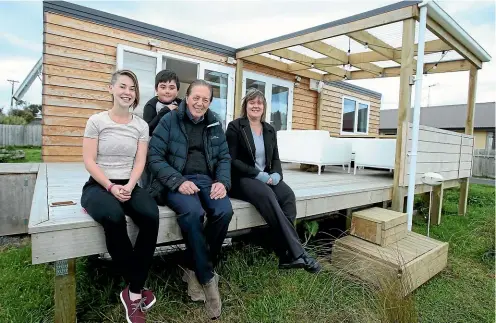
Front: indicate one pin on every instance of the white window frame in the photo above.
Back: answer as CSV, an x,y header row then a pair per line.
x,y
269,81
355,125
203,65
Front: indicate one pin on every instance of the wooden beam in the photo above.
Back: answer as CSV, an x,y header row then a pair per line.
x,y
262,60
469,130
362,24
442,67
363,37
238,91
367,57
440,32
320,106
327,50
65,291
436,204
407,63
303,62
339,55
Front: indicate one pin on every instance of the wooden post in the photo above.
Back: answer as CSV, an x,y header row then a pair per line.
x,y
65,291
349,213
238,91
319,110
406,71
436,204
469,130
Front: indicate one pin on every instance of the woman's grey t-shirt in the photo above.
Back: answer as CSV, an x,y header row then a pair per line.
x,y
259,151
117,143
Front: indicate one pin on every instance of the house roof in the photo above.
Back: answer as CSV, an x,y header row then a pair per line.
x,y
354,88
445,116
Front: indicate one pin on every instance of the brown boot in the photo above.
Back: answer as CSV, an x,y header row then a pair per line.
x,y
195,290
213,303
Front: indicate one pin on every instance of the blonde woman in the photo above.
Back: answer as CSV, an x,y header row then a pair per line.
x,y
115,145
257,178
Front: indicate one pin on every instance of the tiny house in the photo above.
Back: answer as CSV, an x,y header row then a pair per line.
x,y
83,46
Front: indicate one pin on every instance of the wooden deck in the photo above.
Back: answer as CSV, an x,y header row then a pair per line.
x,y
66,232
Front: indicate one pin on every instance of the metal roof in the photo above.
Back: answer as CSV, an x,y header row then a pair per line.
x,y
445,116
354,88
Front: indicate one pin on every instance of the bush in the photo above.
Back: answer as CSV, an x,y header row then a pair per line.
x,y
13,120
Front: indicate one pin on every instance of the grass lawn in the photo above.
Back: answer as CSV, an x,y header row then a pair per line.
x,y
254,290
32,154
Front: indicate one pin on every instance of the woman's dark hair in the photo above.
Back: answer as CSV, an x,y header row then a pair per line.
x,y
200,83
134,78
253,94
165,76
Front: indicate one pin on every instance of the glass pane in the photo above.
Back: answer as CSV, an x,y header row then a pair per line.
x,y
219,82
348,115
362,117
259,85
279,105
145,69
187,72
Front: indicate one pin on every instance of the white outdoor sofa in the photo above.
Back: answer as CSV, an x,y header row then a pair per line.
x,y
313,147
372,152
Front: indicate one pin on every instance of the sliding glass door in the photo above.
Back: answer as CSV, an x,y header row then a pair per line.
x,y
146,64
279,95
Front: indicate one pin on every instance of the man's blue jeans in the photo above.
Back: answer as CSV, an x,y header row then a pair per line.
x,y
203,245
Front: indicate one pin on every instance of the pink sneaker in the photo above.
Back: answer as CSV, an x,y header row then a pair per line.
x,y
148,299
134,314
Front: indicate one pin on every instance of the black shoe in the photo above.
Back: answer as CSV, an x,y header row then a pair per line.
x,y
286,263
311,264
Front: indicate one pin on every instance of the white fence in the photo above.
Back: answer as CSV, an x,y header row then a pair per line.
x,y
483,163
12,135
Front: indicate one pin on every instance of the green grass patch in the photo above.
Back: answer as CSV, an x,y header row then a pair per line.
x,y
32,154
464,291
254,290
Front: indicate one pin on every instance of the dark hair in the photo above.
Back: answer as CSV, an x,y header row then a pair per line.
x,y
134,78
200,83
253,94
165,76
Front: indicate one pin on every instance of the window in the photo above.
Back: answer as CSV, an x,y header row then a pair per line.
x,y
279,96
355,116
146,64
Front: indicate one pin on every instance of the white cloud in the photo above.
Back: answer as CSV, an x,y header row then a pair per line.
x,y
21,43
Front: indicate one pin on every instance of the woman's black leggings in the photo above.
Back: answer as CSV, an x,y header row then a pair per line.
x,y
105,209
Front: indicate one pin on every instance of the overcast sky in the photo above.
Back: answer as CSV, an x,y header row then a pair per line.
x,y
240,23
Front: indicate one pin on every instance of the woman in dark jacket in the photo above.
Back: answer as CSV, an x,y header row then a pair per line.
x,y
167,86
257,178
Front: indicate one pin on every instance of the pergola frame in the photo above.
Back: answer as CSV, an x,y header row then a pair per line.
x,y
451,37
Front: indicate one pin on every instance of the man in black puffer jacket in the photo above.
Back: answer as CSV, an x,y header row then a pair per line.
x,y
189,161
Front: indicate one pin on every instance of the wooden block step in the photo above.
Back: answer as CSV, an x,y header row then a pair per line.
x,y
410,261
379,226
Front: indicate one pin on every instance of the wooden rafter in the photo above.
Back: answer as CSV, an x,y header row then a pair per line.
x,y
442,67
376,45
262,60
332,31
366,57
336,53
302,62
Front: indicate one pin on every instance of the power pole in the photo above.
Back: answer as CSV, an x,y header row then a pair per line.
x,y
12,95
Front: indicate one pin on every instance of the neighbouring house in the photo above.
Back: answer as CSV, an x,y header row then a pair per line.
x,y
83,46
450,117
